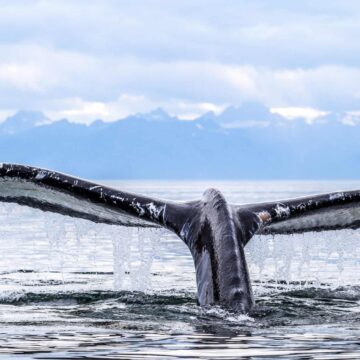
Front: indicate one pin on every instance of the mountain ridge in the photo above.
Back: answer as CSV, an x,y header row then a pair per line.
x,y
160,146
250,114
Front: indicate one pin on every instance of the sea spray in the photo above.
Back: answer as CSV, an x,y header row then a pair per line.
x,y
326,258
47,243
134,252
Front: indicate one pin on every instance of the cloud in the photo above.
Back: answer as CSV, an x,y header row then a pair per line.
x,y
95,58
249,32
21,76
79,110
82,111
49,78
309,114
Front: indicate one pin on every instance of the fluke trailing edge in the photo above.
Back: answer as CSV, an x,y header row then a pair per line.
x,y
214,231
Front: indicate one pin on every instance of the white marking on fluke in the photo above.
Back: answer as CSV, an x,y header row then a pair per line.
x,y
154,211
40,175
138,207
335,196
282,210
185,231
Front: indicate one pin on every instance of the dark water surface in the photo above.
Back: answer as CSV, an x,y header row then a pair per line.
x,y
71,289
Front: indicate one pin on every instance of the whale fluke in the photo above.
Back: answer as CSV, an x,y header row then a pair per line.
x,y
55,192
214,231
325,212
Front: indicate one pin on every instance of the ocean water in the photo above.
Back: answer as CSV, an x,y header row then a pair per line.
x,y
70,289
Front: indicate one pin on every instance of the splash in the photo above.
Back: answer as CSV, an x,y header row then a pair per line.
x,y
134,252
60,249
328,258
46,247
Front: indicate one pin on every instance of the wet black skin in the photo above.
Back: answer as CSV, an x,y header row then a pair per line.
x,y
216,244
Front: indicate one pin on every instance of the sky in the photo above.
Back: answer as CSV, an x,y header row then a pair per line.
x,y
107,59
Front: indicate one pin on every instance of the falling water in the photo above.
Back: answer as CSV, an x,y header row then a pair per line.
x,y
58,247
328,258
134,252
37,241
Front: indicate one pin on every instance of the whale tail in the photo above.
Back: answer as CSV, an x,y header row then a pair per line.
x,y
215,231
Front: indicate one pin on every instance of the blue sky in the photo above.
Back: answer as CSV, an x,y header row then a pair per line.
x,y
106,59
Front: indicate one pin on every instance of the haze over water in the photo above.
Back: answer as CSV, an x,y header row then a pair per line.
x,y
73,289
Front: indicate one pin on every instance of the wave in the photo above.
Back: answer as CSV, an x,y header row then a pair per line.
x,y
87,297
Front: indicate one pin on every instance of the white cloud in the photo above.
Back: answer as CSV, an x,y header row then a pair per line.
x,y
107,59
49,78
309,114
21,76
5,113
351,118
82,111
